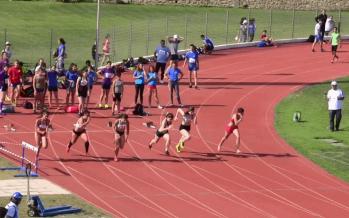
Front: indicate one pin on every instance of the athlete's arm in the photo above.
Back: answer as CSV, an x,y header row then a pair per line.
x,y
77,85
179,111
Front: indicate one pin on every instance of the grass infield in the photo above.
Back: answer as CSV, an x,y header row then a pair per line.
x,y
311,137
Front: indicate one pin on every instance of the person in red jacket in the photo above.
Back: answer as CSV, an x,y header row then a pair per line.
x,y
15,74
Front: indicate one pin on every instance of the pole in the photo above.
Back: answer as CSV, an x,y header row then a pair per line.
x,y
206,22
5,35
114,43
97,36
339,20
186,31
130,42
148,38
270,21
51,38
293,22
226,26
248,19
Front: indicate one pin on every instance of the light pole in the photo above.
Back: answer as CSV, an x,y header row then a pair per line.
x,y
97,36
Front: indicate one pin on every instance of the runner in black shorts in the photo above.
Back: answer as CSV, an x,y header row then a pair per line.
x,y
184,129
118,90
165,125
122,129
80,130
83,91
3,86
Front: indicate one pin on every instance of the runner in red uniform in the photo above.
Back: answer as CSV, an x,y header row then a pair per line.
x,y
233,128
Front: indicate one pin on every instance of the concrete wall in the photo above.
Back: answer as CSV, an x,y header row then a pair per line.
x,y
282,4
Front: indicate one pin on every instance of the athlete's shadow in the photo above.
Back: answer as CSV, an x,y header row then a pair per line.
x,y
244,154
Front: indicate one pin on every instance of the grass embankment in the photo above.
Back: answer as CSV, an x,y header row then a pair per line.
x,y
310,136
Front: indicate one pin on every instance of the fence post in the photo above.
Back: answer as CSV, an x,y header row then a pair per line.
x,y
130,41
293,22
339,20
206,22
148,38
166,28
5,35
270,21
114,44
51,51
226,26
186,31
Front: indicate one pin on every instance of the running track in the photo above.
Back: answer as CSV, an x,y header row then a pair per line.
x,y
269,179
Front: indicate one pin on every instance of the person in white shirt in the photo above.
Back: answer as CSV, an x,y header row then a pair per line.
x,y
330,24
12,207
335,97
317,36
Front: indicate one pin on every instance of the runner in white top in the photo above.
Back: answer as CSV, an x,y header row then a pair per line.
x,y
317,34
335,97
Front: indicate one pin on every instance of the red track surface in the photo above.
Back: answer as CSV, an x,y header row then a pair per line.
x,y
269,179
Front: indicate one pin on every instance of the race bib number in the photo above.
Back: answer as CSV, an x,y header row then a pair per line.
x,y
192,60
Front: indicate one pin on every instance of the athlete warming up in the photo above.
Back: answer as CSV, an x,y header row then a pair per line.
x,y
121,133
165,125
80,130
187,117
42,125
233,128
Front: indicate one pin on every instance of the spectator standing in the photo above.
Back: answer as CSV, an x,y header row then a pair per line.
x,y
162,54
7,49
71,78
251,29
321,19
174,75
335,97
108,74
335,43
243,31
3,60
12,207
3,86
192,58
106,49
329,25
173,43
91,78
39,85
317,36
52,76
15,76
207,44
94,51
139,75
60,55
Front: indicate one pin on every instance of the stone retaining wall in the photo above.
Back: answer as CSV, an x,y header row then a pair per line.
x,y
281,4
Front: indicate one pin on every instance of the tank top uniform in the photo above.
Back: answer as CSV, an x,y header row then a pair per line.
x,y
78,130
40,84
160,134
231,128
43,125
83,88
119,88
120,127
187,118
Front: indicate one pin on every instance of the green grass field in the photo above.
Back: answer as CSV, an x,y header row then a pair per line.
x,y
308,136
28,26
52,200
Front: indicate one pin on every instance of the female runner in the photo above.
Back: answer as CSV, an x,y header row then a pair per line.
x,y
233,128
83,91
80,130
165,125
184,129
122,129
42,125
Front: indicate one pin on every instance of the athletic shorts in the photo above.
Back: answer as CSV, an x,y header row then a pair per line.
x,y
161,134
117,97
230,129
78,134
52,88
151,87
40,90
14,85
174,57
318,38
4,88
184,127
334,47
192,67
106,85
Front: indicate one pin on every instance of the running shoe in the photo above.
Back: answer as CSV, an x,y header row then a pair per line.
x,y
178,149
181,144
106,106
238,151
100,105
150,146
160,107
167,153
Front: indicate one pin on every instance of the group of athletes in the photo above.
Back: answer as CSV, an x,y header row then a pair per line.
x,y
82,84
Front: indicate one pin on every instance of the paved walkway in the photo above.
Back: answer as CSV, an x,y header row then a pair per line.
x,y
37,187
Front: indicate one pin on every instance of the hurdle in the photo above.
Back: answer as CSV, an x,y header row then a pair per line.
x,y
25,148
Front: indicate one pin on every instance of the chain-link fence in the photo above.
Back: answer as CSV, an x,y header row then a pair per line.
x,y
139,38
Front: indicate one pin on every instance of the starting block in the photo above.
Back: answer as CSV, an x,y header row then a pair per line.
x,y
24,159
36,208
